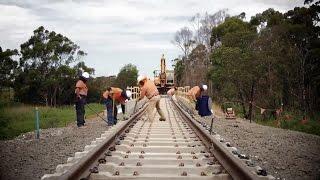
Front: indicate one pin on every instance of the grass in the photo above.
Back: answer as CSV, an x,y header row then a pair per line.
x,y
288,120
18,119
293,121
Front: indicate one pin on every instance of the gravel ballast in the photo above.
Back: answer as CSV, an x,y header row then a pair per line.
x,y
283,153
27,158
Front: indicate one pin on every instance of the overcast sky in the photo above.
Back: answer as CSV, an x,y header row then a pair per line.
x,y
118,32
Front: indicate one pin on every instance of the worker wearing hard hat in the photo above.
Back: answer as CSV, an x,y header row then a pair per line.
x,y
114,96
148,89
81,92
195,92
172,91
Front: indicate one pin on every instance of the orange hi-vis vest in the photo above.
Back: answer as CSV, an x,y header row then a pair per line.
x,y
194,92
115,94
82,88
149,89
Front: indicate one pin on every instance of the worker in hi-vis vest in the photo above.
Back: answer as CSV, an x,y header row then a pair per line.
x,y
81,92
148,89
195,93
114,96
172,91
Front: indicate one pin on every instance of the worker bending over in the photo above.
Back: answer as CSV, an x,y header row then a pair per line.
x,y
81,92
172,91
196,92
114,96
149,89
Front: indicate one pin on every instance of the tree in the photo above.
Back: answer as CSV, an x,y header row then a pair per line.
x,y
198,62
44,63
183,39
234,71
98,85
8,67
210,21
202,26
127,76
196,24
304,32
179,68
274,57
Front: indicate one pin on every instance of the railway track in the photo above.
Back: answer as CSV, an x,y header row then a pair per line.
x,y
178,148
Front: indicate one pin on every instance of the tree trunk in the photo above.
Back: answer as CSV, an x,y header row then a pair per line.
x,y
55,97
251,100
285,91
46,99
244,111
210,92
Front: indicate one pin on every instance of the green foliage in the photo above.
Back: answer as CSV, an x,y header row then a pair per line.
x,y
233,69
232,26
178,71
8,67
6,96
274,59
269,16
127,76
18,119
98,85
293,121
45,75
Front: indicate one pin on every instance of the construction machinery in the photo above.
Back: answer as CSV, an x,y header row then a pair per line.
x,y
163,78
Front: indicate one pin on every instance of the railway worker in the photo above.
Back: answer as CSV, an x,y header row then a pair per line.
x,y
195,93
148,89
114,96
81,92
172,91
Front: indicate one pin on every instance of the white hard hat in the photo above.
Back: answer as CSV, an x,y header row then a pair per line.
x,y
141,77
128,93
85,75
205,87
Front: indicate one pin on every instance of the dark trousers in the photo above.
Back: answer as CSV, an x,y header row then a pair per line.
x,y
204,106
112,112
80,111
123,108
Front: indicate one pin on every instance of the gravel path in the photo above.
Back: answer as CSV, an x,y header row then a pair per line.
x,y
283,153
28,158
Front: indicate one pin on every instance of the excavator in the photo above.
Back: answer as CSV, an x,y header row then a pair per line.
x,y
163,78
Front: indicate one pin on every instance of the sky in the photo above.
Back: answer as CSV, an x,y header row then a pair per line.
x,y
117,32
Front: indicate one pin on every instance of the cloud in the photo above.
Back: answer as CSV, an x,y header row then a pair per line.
x,y
115,33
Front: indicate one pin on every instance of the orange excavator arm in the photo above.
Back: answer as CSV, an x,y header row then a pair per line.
x,y
163,76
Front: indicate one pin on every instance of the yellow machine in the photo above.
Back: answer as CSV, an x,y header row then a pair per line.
x,y
163,79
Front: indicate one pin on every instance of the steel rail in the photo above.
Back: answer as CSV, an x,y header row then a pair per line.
x,y
232,164
81,170
89,163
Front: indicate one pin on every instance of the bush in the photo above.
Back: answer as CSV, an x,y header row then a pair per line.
x,y
293,121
